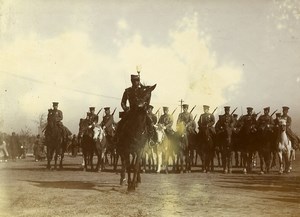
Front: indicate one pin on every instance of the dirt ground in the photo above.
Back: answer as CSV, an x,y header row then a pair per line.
x,y
28,189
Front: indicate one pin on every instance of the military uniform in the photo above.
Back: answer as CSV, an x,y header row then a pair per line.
x,y
152,117
265,120
207,120
132,95
92,117
185,118
55,116
108,122
167,121
226,120
247,120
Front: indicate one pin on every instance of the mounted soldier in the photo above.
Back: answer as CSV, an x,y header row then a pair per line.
x,y
265,139
265,120
55,117
207,120
132,95
167,121
185,118
108,123
153,119
247,135
91,117
292,136
224,129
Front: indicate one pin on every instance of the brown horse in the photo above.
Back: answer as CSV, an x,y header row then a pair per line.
x,y
133,138
54,141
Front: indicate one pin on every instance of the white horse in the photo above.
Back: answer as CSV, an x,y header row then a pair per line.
x,y
101,145
285,150
161,146
3,147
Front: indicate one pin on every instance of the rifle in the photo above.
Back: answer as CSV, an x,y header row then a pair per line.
x,y
157,111
114,111
233,111
174,111
194,118
192,109
99,111
273,113
214,110
109,121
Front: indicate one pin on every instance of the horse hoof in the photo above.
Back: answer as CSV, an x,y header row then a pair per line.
x,y
261,172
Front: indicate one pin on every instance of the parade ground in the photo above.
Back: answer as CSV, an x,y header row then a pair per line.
x,y
29,189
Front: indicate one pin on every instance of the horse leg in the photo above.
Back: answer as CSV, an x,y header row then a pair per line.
x,y
224,159
280,162
123,170
49,157
261,161
268,161
159,161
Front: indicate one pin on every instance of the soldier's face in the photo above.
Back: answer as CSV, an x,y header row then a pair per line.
x,y
185,109
266,112
166,111
135,83
206,110
55,107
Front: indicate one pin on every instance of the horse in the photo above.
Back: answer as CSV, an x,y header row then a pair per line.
x,y
3,148
91,143
180,145
133,137
100,146
248,139
207,149
54,137
265,140
225,141
285,150
161,147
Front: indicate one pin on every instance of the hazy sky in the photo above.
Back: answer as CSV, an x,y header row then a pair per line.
x,y
81,53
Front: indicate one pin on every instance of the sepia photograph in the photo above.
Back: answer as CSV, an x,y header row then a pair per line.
x,y
149,108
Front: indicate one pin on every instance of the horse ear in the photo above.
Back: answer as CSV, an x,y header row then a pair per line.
x,y
153,87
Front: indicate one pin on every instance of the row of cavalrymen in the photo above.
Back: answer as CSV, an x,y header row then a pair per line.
x,y
207,119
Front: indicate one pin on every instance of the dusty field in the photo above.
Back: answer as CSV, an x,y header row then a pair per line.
x,y
28,189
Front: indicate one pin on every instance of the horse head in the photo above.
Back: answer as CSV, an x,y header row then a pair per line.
x,y
282,124
160,133
98,133
145,96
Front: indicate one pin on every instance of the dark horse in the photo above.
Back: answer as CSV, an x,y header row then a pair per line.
x,y
133,137
265,139
207,149
224,138
54,137
93,141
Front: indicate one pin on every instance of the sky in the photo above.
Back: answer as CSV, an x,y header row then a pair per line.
x,y
81,53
